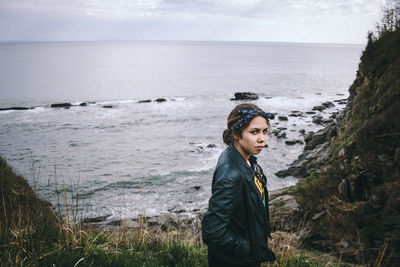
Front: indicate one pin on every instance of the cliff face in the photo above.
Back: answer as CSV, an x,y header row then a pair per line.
x,y
351,191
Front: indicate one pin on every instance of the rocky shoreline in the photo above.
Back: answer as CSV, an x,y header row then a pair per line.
x,y
316,152
284,210
285,216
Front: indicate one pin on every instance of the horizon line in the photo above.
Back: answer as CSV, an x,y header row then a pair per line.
x,y
183,41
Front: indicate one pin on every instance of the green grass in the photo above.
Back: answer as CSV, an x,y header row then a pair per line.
x,y
133,254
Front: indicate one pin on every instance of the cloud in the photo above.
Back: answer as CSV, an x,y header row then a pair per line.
x,y
138,8
186,19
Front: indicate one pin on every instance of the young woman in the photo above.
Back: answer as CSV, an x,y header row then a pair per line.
x,y
236,224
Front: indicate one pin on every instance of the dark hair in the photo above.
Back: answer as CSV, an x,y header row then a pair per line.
x,y
234,116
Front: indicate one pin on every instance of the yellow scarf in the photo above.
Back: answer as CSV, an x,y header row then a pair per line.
x,y
258,184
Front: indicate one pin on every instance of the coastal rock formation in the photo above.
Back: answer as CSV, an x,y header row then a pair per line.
x,y
245,96
61,105
14,108
350,194
284,211
167,221
316,151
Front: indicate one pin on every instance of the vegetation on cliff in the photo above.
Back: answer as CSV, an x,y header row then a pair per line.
x,y
352,199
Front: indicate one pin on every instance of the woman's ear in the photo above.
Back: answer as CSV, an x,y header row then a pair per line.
x,y
235,137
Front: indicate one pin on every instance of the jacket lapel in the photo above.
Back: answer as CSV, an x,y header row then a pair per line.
x,y
247,171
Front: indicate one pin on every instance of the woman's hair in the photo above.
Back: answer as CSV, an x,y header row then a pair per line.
x,y
233,117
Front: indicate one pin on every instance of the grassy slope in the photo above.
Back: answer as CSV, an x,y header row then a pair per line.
x,y
365,161
32,235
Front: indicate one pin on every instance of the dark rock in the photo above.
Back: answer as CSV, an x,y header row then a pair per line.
x,y
15,108
283,173
316,152
160,100
144,101
319,108
197,187
328,104
314,139
295,113
282,118
317,119
321,120
168,220
341,101
245,96
302,131
211,146
83,104
281,135
293,142
61,105
334,115
311,112
327,120
96,219
108,106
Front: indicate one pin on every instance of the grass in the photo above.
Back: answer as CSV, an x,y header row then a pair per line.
x,y
33,234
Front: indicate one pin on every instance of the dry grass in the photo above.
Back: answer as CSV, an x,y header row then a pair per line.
x,y
32,234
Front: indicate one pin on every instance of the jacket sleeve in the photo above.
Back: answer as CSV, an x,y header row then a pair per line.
x,y
215,224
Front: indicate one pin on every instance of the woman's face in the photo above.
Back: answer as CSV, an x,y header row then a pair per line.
x,y
254,137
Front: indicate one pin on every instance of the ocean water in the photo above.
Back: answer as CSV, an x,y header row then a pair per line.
x,y
151,158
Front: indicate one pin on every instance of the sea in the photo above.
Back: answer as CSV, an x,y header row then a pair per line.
x,y
119,157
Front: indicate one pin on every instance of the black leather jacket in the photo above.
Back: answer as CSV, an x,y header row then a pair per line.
x,y
236,224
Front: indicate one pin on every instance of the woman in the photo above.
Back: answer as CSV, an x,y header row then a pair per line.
x,y
236,224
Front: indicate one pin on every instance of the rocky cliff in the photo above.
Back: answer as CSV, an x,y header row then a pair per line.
x,y
350,194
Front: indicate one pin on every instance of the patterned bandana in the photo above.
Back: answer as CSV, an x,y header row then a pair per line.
x,y
248,115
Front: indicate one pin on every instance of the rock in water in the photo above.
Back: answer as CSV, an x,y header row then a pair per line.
x,y
245,96
61,105
14,108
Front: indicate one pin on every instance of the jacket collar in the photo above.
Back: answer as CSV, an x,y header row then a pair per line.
x,y
241,162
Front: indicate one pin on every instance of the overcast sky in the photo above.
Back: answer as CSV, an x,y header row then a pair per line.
x,y
321,21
